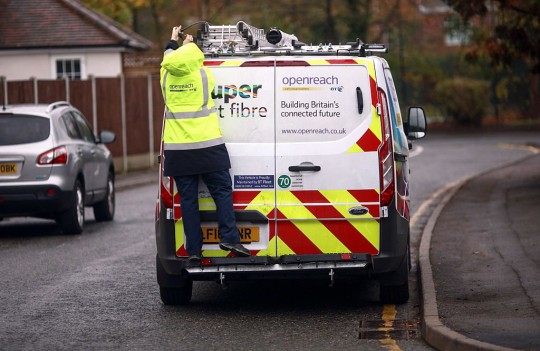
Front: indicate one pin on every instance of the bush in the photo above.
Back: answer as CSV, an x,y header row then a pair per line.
x,y
464,100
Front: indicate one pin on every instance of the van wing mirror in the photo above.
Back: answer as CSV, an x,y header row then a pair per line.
x,y
415,128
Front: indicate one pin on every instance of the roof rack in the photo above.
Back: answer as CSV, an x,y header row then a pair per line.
x,y
56,105
243,39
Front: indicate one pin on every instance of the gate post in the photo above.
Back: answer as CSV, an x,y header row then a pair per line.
x,y
66,80
124,131
4,88
35,88
150,121
94,103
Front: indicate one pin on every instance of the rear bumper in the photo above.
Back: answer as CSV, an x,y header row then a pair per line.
x,y
393,249
35,201
239,268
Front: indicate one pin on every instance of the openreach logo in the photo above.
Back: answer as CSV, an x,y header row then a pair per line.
x,y
309,83
321,80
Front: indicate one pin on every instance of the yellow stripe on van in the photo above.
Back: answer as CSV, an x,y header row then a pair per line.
x,y
231,63
318,62
284,249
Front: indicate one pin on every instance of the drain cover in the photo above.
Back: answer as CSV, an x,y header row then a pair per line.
x,y
396,330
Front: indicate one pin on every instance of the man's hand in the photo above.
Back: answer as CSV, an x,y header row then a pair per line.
x,y
189,39
175,33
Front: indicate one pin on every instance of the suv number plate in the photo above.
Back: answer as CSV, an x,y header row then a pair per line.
x,y
8,168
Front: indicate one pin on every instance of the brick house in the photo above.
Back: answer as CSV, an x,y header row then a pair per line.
x,y
51,39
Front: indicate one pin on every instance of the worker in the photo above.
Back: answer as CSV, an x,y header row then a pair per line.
x,y
193,145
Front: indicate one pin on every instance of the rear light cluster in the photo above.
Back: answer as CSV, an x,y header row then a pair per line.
x,y
386,156
167,191
56,156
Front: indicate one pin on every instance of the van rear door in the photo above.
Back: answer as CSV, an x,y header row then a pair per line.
x,y
327,168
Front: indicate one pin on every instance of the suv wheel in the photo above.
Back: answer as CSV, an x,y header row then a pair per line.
x,y
72,221
104,210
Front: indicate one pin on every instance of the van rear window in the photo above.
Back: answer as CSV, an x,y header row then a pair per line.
x,y
23,129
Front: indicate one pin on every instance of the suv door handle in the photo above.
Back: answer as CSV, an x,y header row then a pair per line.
x,y
305,167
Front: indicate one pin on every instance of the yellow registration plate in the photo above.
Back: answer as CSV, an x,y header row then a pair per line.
x,y
247,234
8,168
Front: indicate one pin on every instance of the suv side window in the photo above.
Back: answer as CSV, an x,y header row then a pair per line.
x,y
84,128
71,126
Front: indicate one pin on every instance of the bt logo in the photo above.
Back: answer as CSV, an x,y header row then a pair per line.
x,y
339,88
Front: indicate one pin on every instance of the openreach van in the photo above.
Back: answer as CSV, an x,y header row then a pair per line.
x,y
319,151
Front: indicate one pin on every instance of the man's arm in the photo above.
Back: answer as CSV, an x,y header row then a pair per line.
x,y
173,43
175,35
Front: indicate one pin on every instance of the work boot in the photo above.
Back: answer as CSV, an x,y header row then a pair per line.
x,y
237,249
194,260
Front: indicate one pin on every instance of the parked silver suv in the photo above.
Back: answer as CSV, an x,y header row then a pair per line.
x,y
52,165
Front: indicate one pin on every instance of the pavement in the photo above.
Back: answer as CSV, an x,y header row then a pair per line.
x,y
479,262
137,178
479,259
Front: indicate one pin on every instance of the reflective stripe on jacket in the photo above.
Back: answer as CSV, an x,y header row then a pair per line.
x,y
191,121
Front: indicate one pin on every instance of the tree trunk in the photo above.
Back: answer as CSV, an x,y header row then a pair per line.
x,y
330,26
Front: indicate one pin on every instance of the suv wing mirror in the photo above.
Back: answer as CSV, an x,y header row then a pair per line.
x,y
106,137
415,127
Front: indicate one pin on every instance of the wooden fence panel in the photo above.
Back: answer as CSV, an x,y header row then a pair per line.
x,y
21,92
80,96
138,102
158,109
137,130
50,91
109,111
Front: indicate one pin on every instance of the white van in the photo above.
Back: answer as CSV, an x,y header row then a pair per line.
x,y
319,152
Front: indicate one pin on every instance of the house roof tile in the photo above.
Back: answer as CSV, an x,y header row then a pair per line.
x,y
59,24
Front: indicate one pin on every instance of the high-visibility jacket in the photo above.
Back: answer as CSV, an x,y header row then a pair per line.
x,y
191,137
191,121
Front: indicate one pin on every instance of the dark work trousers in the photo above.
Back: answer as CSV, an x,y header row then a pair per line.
x,y
220,187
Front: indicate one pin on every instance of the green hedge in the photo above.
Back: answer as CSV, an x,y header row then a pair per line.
x,y
463,99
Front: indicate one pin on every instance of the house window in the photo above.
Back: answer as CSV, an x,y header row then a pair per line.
x,y
69,67
456,32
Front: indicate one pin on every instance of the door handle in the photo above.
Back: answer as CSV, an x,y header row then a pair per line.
x,y
305,167
360,100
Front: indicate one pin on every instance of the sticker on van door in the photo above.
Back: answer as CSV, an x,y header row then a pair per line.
x,y
293,181
254,181
319,104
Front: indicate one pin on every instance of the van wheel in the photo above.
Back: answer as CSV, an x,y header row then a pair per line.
x,y
174,289
176,296
394,288
72,221
104,210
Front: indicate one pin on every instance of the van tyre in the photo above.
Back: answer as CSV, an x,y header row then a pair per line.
x,y
394,288
72,220
104,210
176,296
174,290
